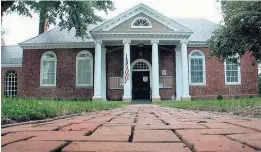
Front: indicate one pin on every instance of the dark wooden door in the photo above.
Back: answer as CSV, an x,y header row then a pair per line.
x,y
141,84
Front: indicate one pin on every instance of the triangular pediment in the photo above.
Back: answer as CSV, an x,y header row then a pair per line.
x,y
122,22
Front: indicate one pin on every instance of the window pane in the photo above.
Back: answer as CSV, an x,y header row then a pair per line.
x,y
196,72
84,74
113,83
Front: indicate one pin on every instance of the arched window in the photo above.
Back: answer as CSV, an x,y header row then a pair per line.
x,y
10,84
84,68
197,72
141,22
48,69
232,71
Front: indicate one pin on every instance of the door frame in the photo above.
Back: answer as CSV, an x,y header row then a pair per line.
x,y
144,61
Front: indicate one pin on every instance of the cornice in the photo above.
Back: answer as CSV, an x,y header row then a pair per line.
x,y
59,45
197,44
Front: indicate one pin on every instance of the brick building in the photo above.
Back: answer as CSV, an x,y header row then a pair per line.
x,y
139,54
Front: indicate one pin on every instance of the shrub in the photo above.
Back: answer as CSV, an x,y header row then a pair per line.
x,y
219,97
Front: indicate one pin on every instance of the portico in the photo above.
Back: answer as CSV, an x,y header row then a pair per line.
x,y
142,25
181,64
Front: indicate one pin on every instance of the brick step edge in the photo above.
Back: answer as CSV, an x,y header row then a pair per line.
x,y
45,120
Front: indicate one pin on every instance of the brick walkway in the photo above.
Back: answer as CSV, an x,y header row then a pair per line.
x,y
137,128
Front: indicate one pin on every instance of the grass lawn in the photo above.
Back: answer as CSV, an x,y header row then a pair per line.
x,y
19,110
237,106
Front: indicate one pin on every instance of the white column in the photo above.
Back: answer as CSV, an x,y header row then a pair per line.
x,y
103,73
155,70
127,84
97,72
178,74
185,79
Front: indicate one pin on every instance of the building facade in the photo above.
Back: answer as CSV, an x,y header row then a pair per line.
x,y
139,54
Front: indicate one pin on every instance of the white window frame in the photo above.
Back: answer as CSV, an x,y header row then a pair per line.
x,y
239,72
85,58
138,18
118,85
55,69
204,68
10,78
164,85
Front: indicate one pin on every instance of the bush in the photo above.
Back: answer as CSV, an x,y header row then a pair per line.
x,y
219,97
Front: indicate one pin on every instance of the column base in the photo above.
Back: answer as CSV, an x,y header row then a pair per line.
x,y
156,98
97,98
178,98
126,98
186,98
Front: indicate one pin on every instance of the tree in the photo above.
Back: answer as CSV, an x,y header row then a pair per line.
x,y
67,14
241,31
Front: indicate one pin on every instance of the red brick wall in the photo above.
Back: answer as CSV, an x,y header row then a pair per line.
x,y
18,70
29,83
215,78
167,62
114,68
66,75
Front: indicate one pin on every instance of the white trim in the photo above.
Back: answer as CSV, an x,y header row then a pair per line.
x,y
11,65
204,68
163,87
146,62
85,58
117,83
141,8
139,18
197,44
41,70
58,45
239,72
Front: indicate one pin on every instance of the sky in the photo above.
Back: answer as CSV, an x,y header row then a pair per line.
x,y
18,29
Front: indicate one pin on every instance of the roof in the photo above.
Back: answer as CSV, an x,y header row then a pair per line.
x,y
11,54
202,28
202,31
58,35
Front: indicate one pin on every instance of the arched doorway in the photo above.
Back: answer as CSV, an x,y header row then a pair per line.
x,y
141,76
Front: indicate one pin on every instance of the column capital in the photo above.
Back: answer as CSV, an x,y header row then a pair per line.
x,y
126,41
98,41
184,41
155,41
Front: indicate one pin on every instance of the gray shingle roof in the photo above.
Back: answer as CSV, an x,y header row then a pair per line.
x,y
202,31
57,35
202,28
11,54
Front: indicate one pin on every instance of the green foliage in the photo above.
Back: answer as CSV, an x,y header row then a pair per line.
x,y
219,97
241,31
214,105
34,109
70,14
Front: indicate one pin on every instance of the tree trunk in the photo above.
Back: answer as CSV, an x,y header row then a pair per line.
x,y
42,22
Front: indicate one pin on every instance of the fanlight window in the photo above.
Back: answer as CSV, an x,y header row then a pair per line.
x,y
141,22
140,66
10,84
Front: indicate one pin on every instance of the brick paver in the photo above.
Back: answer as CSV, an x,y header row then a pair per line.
x,y
138,128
